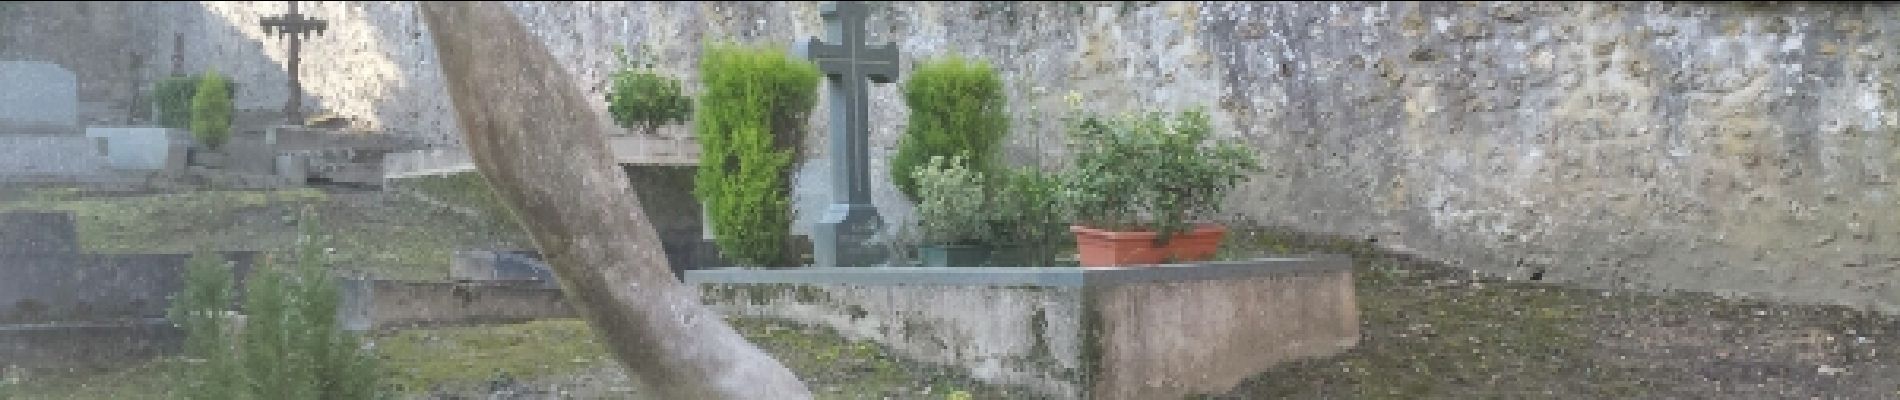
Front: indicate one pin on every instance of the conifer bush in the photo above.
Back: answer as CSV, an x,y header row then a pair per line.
x,y
289,344
956,109
751,121
211,110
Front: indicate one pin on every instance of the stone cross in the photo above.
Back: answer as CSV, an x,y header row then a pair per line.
x,y
841,237
295,27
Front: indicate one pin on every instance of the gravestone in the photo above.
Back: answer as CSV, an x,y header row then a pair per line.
x,y
143,148
842,236
294,27
47,280
53,159
37,233
37,98
500,265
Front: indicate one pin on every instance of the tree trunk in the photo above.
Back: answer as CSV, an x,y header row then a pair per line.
x,y
532,137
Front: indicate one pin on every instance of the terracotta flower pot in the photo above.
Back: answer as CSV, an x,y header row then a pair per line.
x,y
1104,248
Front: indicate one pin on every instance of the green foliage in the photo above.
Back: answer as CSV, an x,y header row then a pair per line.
x,y
211,110
1028,211
956,109
750,125
1017,208
173,96
953,206
639,97
202,309
292,345
1147,172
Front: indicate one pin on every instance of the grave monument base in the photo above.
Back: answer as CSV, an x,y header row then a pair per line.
x,y
1145,332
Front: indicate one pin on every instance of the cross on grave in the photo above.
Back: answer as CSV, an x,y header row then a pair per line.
x,y
841,236
295,27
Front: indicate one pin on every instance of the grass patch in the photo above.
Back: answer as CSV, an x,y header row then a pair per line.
x,y
391,237
420,360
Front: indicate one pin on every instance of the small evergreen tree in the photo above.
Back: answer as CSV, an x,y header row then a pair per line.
x,y
750,125
292,345
202,309
640,98
211,110
956,109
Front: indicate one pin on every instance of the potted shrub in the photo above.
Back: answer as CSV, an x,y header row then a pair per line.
x,y
1142,188
953,213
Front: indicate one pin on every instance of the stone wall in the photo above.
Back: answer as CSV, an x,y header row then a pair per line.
x,y
1071,333
1732,147
375,304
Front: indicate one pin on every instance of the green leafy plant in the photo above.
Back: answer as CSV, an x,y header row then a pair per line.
x,y
956,109
639,97
1151,172
953,206
1027,210
751,122
292,346
172,97
202,309
211,110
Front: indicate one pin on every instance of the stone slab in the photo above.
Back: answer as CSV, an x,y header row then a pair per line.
x,y
1138,332
75,158
35,232
370,304
38,94
142,148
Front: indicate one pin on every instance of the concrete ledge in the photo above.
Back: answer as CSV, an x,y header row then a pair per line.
x,y
1126,333
377,304
1051,277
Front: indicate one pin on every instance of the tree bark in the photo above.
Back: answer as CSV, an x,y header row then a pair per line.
x,y
535,141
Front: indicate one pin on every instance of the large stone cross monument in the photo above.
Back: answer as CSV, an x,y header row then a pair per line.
x,y
841,237
295,27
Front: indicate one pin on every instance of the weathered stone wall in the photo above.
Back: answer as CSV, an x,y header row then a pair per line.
x,y
1728,147
375,304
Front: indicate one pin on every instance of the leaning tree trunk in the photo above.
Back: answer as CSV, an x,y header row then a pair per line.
x,y
534,139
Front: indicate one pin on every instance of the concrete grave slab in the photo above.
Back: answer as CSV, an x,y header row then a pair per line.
x,y
142,148
1145,332
54,159
38,97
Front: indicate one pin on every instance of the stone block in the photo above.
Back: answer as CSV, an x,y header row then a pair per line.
x,y
1144,332
139,148
37,95
376,304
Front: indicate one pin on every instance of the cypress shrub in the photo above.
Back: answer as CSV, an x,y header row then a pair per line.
x,y
211,111
956,109
751,122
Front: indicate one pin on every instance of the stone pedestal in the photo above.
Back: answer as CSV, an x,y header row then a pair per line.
x,y
842,238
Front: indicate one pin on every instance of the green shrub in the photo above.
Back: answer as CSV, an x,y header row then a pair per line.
x,y
1028,211
1149,172
172,96
750,123
292,345
956,108
953,205
211,111
640,98
202,309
